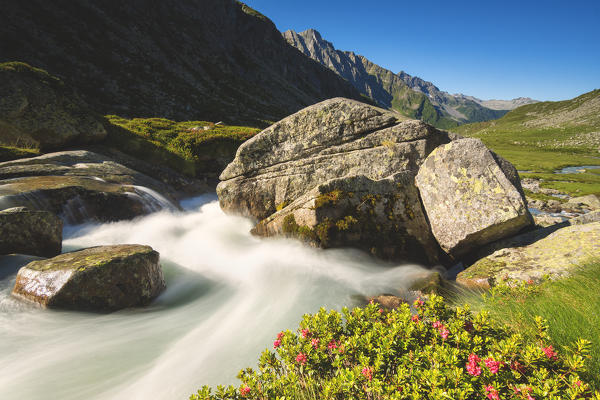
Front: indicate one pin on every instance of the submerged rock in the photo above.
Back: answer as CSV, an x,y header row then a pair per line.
x,y
80,186
472,197
101,278
36,233
37,109
557,254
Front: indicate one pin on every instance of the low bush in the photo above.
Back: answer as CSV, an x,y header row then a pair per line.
x,y
437,352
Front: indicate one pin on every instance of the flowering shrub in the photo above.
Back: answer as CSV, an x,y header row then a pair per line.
x,y
436,353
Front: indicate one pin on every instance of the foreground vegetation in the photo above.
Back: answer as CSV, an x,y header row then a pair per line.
x,y
436,353
569,305
543,137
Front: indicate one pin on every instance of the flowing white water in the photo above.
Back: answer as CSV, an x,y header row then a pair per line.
x,y
227,296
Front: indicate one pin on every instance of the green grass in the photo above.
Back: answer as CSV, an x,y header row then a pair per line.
x,y
570,305
544,137
9,153
183,146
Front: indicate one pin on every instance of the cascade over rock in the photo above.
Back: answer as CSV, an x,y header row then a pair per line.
x,y
80,185
36,233
471,195
100,278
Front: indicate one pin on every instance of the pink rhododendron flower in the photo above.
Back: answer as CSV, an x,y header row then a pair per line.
x,y
276,343
549,351
305,333
493,365
381,311
437,325
492,393
418,302
444,332
280,335
472,366
332,345
367,372
315,343
301,358
244,391
415,318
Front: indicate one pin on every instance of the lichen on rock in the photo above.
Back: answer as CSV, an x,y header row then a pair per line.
x,y
103,278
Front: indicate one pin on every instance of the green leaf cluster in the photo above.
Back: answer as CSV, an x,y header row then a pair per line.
x,y
428,351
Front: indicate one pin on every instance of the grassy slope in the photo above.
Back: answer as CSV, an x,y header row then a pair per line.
x,y
183,146
569,305
546,136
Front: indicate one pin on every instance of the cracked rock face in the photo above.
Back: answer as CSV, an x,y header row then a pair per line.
x,y
36,233
472,196
332,139
337,174
103,278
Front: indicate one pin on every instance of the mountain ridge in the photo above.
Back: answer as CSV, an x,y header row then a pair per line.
x,y
178,59
437,107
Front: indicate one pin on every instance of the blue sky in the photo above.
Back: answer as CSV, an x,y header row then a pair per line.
x,y
545,49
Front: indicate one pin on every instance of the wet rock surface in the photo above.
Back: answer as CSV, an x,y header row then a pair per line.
x,y
24,231
79,186
103,278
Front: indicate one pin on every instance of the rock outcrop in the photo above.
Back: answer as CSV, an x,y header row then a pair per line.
x,y
38,110
332,139
472,197
104,278
342,174
36,233
555,255
79,186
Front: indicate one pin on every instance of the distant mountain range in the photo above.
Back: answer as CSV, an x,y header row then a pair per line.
x,y
180,59
409,95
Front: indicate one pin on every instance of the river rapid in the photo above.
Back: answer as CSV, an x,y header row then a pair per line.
x,y
228,294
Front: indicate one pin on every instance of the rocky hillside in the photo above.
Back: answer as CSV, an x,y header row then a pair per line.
x,y
179,59
412,96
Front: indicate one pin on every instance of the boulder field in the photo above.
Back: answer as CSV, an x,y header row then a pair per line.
x,y
104,278
342,173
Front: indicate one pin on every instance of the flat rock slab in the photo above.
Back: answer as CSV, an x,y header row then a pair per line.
x,y
24,231
555,255
471,196
103,278
80,186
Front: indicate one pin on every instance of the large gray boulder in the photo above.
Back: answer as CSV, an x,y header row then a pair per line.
x,y
331,139
36,233
368,154
80,186
37,109
472,196
101,278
